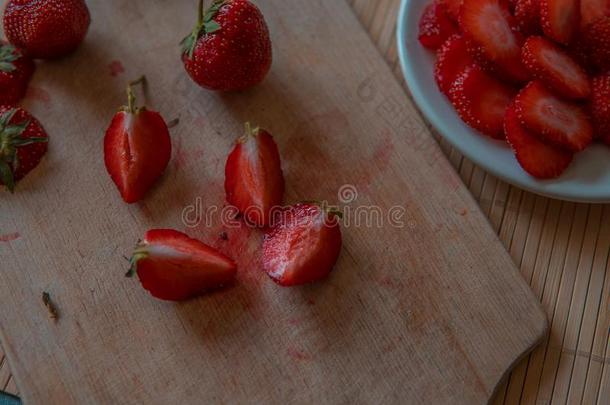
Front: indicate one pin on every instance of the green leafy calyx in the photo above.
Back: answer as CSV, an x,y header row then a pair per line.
x,y
139,254
205,25
8,55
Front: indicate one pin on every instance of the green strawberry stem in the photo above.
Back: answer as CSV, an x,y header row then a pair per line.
x,y
139,254
131,98
205,25
8,55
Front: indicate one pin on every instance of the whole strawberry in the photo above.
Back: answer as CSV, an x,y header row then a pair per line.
x,y
23,143
46,29
137,148
16,70
229,48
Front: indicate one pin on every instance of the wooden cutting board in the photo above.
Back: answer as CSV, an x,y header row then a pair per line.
x,y
423,307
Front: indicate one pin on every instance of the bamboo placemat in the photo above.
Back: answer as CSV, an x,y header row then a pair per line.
x,y
562,249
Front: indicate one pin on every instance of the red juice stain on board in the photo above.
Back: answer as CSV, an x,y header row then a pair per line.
x,y
9,237
298,355
38,94
116,68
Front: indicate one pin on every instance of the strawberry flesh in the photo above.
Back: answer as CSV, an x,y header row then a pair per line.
x,y
174,267
527,14
559,122
560,19
539,159
481,101
303,247
435,26
254,182
600,107
453,9
555,68
493,37
23,143
453,58
596,40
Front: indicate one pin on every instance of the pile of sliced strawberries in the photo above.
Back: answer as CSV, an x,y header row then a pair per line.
x,y
535,73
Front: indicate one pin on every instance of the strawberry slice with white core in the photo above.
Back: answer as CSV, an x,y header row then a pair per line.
x,y
489,27
554,67
481,101
539,159
452,59
559,122
303,247
174,267
560,19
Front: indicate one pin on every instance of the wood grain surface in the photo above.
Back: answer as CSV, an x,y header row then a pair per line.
x,y
434,312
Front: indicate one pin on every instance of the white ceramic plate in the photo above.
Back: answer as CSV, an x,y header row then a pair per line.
x,y
586,180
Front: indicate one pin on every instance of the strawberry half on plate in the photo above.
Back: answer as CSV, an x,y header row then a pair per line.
x,y
174,267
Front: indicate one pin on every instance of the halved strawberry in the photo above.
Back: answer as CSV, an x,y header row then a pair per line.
x,y
435,25
137,149
493,37
596,39
16,71
592,10
174,267
452,59
527,14
600,107
561,123
555,68
453,8
539,159
254,182
560,19
481,100
303,247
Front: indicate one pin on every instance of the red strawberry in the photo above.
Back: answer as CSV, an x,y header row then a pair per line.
x,y
539,159
174,267
560,19
23,143
435,26
555,68
596,39
527,14
16,71
481,101
253,176
559,122
453,8
229,48
46,29
303,247
453,59
493,37
600,106
137,148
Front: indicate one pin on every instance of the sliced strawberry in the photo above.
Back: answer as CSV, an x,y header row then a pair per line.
x,y
435,25
493,37
453,8
527,14
174,267
596,39
559,122
560,19
539,159
303,247
481,101
453,58
555,68
137,149
592,10
254,182
600,107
